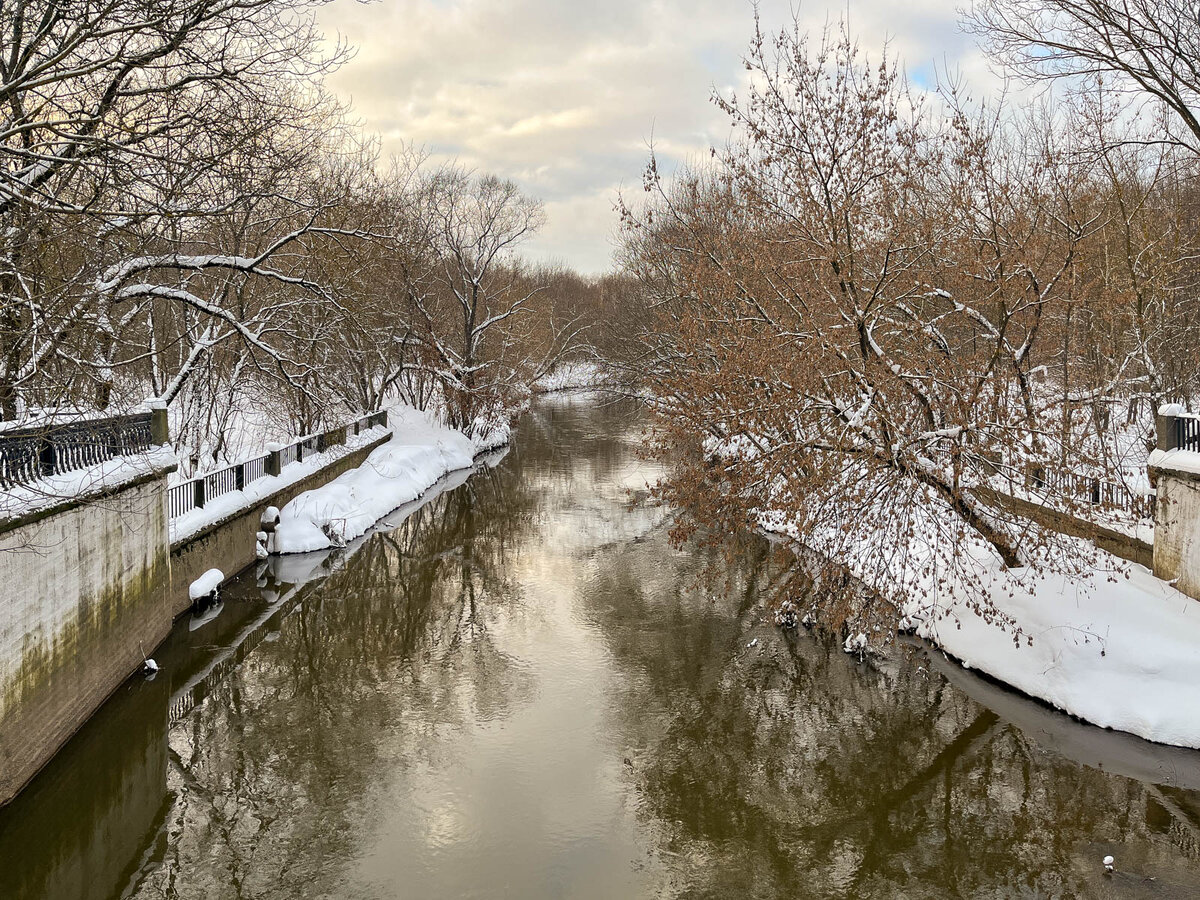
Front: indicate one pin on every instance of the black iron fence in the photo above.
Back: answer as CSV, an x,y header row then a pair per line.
x,y
1187,432
1093,491
198,492
30,453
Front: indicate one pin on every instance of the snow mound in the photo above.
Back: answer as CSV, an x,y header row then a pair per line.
x,y
205,584
1120,650
420,452
571,377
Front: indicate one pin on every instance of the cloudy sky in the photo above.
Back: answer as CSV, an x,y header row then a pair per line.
x,y
564,97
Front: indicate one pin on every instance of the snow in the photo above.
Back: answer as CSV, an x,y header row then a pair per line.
x,y
571,376
420,453
1083,631
1120,649
1179,460
82,484
195,520
205,584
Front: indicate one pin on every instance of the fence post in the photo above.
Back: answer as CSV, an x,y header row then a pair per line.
x,y
47,457
239,476
198,492
1167,426
272,464
159,430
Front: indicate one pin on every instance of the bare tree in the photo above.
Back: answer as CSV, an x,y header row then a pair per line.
x,y
122,123
1149,48
849,311
471,304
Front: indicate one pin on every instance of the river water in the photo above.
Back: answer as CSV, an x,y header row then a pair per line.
x,y
519,689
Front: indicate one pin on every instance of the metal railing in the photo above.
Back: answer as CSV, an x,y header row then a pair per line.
x,y
1071,487
1187,432
1090,490
30,453
195,494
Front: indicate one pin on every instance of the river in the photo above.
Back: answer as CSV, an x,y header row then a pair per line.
x,y
519,689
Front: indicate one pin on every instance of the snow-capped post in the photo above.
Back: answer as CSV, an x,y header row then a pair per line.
x,y
160,432
268,522
1166,424
272,466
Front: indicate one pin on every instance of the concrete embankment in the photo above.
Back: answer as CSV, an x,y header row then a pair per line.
x,y
85,594
228,543
91,586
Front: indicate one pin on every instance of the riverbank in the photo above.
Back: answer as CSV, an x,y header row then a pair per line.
x,y
1087,633
420,453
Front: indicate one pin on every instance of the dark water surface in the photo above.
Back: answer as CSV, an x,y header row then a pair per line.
x,y
521,691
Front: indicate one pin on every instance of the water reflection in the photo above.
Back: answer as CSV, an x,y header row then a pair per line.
x,y
520,689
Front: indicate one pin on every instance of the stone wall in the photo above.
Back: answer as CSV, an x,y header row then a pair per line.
x,y
83,599
1177,529
90,588
1115,542
228,544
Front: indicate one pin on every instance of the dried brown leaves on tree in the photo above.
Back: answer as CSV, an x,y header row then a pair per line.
x,y
865,315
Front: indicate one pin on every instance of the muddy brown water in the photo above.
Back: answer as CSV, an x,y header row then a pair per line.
x,y
517,688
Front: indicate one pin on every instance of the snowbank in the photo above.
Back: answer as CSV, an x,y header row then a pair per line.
x,y
1120,650
570,377
214,510
420,452
1082,630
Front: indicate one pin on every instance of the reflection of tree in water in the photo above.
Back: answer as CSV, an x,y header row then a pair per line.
x,y
790,770
385,658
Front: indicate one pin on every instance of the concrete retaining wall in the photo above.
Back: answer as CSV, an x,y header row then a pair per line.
x,y
90,588
1115,542
84,594
1177,529
228,544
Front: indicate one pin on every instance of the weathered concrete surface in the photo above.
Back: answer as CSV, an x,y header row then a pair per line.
x,y
1115,542
228,544
88,819
84,595
1177,529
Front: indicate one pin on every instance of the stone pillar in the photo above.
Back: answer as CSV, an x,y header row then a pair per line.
x,y
1165,425
159,431
272,466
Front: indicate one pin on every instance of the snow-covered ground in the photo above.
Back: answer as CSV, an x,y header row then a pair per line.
x,y
420,452
571,376
1119,649
214,510
1086,632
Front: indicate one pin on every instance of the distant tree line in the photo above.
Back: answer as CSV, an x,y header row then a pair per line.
x,y
186,213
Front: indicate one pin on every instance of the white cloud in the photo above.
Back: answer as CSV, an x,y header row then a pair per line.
x,y
563,97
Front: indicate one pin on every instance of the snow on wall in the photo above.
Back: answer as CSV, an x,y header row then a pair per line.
x,y
420,453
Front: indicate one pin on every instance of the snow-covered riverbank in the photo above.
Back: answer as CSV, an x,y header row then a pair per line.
x,y
420,452
1110,644
1119,649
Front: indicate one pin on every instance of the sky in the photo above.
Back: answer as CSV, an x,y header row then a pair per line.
x,y
565,98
